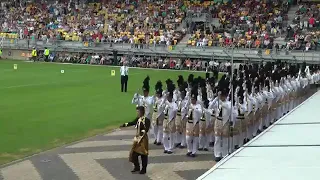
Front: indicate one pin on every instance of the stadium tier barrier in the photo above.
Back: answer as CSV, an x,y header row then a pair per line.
x,y
217,53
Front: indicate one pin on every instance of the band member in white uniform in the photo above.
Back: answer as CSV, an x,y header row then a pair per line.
x,y
145,100
213,99
192,127
239,129
181,120
205,123
269,100
169,121
249,101
158,115
222,123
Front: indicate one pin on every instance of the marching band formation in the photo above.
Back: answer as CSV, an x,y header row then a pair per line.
x,y
203,112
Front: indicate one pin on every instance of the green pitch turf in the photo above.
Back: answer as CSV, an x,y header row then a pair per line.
x,y
40,108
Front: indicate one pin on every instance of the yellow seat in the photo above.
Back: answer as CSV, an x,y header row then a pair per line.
x,y
193,43
189,42
209,43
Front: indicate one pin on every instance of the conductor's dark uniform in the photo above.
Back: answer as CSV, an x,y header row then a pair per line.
x,y
140,145
124,70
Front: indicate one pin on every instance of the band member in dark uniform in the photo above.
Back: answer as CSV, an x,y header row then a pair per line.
x,y
140,145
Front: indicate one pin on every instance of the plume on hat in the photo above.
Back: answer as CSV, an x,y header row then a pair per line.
x,y
170,87
205,98
158,87
146,86
190,78
194,91
180,80
207,76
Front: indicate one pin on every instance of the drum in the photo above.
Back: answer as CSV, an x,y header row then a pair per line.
x,y
244,124
178,123
169,126
237,127
192,130
202,127
226,130
154,118
218,125
257,116
210,127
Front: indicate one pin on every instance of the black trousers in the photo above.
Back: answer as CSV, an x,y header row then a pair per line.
x,y
124,83
135,161
46,58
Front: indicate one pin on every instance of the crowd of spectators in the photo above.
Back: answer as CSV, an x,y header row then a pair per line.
x,y
250,23
141,23
304,32
131,21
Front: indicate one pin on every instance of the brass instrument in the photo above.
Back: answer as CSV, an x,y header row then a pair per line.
x,y
137,139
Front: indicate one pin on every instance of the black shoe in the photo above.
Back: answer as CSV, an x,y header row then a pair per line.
x,y
236,147
178,145
217,159
200,149
205,149
155,142
264,127
211,144
143,171
182,147
165,151
159,144
193,155
189,153
259,131
244,141
169,152
135,170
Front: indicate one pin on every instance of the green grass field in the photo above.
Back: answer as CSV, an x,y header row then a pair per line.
x,y
40,108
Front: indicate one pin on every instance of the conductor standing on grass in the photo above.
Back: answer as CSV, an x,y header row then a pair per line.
x,y
124,70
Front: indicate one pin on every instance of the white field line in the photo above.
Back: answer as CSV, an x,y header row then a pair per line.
x,y
52,83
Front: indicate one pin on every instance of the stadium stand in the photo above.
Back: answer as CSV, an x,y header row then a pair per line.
x,y
244,24
116,21
141,23
303,32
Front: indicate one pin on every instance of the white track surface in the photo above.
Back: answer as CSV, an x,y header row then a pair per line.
x,y
289,149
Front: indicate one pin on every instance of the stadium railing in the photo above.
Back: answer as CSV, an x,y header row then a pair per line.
x,y
223,53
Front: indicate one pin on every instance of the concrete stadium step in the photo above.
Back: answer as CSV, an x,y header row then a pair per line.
x,y
292,13
184,40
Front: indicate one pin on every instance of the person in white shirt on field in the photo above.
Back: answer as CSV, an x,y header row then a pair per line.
x,y
124,71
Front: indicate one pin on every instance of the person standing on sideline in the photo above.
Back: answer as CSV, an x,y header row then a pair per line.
x,y
46,54
34,54
124,70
